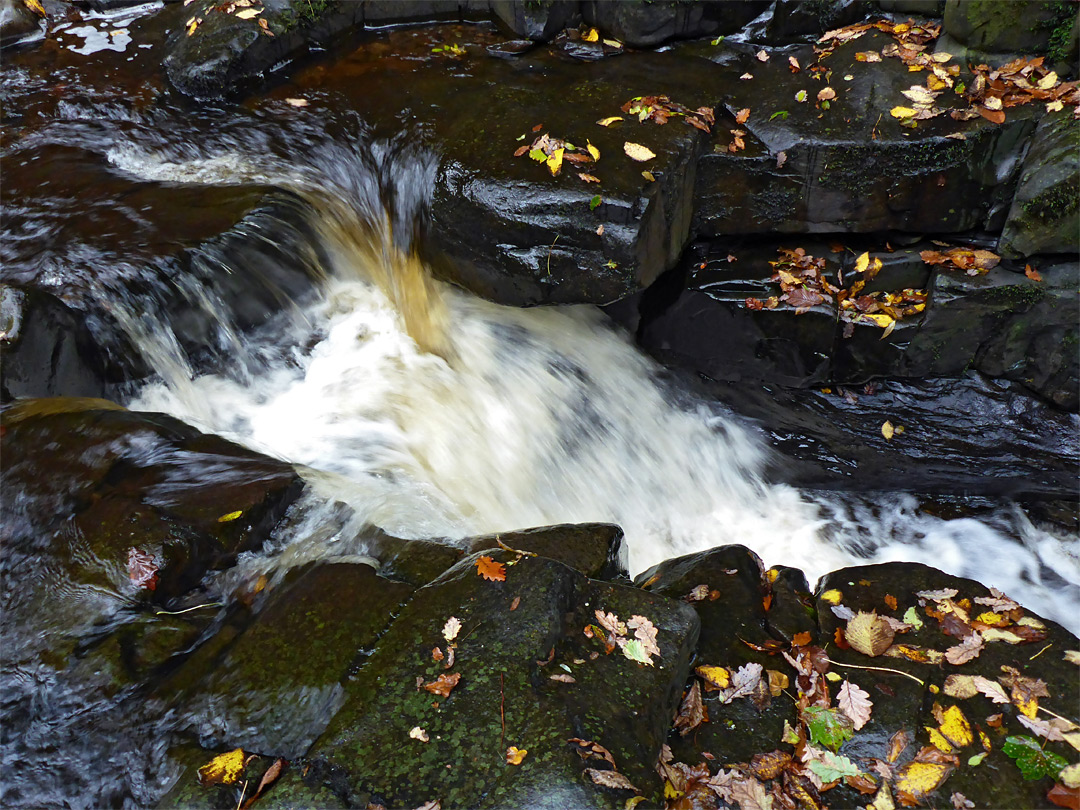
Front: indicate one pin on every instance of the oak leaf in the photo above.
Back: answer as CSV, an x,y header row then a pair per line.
x,y
855,703
490,570
965,651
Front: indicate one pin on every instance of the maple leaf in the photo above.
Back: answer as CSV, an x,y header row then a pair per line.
x,y
965,651
142,570
451,628
692,712
868,633
444,684
490,570
855,703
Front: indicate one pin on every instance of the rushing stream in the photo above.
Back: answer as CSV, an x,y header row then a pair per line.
x,y
524,417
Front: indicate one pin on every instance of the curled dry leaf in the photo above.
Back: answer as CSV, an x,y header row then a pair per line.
x,y
418,733
610,779
645,631
692,712
563,677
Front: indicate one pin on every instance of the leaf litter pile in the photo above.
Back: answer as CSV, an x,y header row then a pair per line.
x,y
830,709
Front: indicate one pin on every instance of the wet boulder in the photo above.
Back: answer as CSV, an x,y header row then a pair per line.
x,y
278,684
728,588
851,167
995,32
17,23
523,674
1045,213
508,230
923,686
597,550
537,21
643,24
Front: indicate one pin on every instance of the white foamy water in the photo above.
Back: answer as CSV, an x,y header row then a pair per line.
x,y
550,415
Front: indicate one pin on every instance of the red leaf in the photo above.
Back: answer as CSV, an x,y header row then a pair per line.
x,y
490,570
142,570
754,304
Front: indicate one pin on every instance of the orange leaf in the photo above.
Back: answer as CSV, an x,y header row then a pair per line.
x,y
1032,273
890,600
801,639
767,601
490,570
742,115
444,684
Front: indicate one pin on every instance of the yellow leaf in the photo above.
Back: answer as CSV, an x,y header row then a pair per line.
x,y
993,634
515,756
921,778
592,35
635,151
717,676
985,740
862,263
937,739
1054,106
990,618
935,83
955,727
612,43
887,430
832,597
649,176
633,801
248,13
880,319
669,791
868,633
230,516
778,681
593,151
554,163
193,23
902,112
1047,81
607,122
833,677
1028,708
224,769
35,7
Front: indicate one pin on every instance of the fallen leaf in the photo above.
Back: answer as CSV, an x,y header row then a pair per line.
x,y
855,703
515,756
832,597
230,516
563,677
635,651
750,794
271,775
265,27
778,682
588,178
635,151
142,570
911,618
762,55
224,769
610,779
747,76
742,115
554,164
898,742
793,64
830,767
645,632
692,712
437,654
444,684
303,102
828,727
965,651
248,13
418,733
649,176
954,726
869,633
743,682
826,94
607,122
961,802
717,677
451,628
921,778
517,599
887,430
1041,727
1032,273
490,570
1033,761
592,35
902,113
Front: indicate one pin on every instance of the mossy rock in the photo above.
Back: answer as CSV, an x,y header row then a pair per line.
x,y
515,634
597,550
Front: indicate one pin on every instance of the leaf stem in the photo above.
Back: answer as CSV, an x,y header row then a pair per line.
x,y
187,610
880,669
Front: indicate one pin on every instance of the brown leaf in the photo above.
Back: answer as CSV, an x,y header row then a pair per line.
x,y
490,570
272,774
754,304
855,703
802,298
437,654
692,712
801,639
444,684
769,766
563,677
868,633
142,570
898,742
521,150
750,794
965,651
1064,796
588,178
890,600
610,779
742,115
1032,273
993,116
587,749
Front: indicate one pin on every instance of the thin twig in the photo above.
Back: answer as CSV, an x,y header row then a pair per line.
x,y
186,610
1055,714
556,239
242,792
880,669
1040,652
518,551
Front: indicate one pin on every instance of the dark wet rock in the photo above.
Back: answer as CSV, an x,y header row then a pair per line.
x,y
902,703
1029,27
46,349
416,562
515,635
709,329
597,550
507,230
640,23
790,21
733,616
923,8
189,794
537,21
281,681
1045,213
1004,324
17,23
113,481
852,167
969,435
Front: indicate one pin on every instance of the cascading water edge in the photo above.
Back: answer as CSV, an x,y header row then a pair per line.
x,y
436,414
